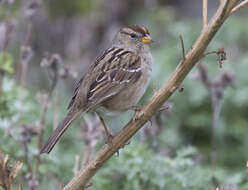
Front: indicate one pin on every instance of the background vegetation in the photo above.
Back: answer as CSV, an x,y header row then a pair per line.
x,y
200,142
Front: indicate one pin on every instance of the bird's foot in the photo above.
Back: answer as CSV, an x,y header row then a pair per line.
x,y
109,139
137,110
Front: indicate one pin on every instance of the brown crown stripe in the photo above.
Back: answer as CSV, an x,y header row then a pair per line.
x,y
141,29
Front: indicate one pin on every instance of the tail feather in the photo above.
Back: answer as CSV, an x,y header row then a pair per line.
x,y
58,132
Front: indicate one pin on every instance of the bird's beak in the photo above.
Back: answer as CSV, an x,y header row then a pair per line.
x,y
146,39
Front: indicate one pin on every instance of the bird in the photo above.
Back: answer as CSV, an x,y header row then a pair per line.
x,y
114,83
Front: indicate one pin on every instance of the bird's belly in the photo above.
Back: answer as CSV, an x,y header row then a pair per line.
x,y
129,96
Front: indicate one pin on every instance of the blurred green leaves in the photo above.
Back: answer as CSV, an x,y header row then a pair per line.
x,y
6,62
16,101
70,8
139,168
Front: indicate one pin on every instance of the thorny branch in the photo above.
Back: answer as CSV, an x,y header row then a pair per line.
x,y
158,99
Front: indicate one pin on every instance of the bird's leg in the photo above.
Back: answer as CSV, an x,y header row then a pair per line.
x,y
107,132
135,108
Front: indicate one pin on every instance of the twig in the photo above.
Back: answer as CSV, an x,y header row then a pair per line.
x,y
205,13
44,103
193,56
8,172
91,133
221,55
26,54
239,6
215,89
216,108
182,44
54,61
76,165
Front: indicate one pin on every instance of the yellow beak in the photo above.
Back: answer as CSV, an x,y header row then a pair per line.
x,y
146,39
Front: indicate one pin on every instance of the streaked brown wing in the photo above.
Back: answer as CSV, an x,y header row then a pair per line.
x,y
114,70
113,74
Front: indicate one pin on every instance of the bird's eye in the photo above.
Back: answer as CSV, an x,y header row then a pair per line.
x,y
133,35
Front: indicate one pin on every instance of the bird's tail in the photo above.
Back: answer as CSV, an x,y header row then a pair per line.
x,y
58,132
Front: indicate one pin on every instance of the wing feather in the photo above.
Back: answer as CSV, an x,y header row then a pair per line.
x,y
112,72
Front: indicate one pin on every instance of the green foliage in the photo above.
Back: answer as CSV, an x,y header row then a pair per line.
x,y
6,62
137,167
70,8
17,102
17,107
8,8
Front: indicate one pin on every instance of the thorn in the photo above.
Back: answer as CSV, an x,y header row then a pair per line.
x,y
154,88
181,88
127,143
89,185
183,50
163,108
150,121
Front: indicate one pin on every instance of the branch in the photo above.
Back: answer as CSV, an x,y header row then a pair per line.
x,y
205,13
158,99
239,6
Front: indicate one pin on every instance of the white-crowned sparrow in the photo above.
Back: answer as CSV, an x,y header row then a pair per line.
x,y
114,83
